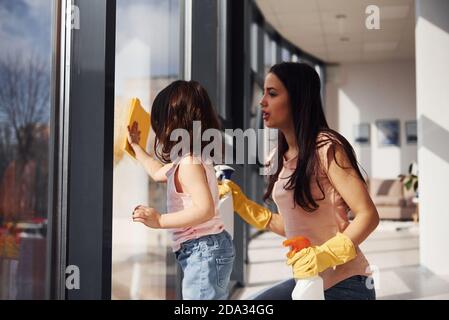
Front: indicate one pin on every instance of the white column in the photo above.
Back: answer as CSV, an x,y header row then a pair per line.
x,y
432,82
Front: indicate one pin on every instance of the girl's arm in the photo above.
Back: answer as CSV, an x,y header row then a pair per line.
x,y
193,181
277,224
354,192
155,169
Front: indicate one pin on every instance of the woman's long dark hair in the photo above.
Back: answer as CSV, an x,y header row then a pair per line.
x,y
303,86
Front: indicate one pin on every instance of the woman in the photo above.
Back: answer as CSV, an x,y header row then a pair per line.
x,y
317,182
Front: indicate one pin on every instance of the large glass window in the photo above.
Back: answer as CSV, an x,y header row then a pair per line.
x,y
147,59
25,55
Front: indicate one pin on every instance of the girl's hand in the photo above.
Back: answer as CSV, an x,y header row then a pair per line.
x,y
148,216
133,134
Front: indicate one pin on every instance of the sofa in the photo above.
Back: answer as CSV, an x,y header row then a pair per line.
x,y
392,200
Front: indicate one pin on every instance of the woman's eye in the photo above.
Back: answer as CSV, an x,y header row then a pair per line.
x,y
272,94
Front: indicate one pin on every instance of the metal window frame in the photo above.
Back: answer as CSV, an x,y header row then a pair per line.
x,y
223,57
212,65
239,31
83,120
204,46
58,151
53,275
185,11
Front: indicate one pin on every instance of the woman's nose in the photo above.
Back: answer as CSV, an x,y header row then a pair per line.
x,y
263,102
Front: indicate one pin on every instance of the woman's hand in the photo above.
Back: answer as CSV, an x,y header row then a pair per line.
x,y
133,134
148,216
253,213
313,260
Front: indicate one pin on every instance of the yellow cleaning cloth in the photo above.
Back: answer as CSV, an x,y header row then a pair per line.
x,y
138,114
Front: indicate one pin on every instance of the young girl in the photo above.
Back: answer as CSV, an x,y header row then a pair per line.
x,y
203,248
318,181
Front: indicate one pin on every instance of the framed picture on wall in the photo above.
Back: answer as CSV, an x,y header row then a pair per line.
x,y
411,133
388,132
362,133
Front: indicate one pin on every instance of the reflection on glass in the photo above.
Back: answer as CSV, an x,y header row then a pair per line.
x,y
319,69
255,117
147,60
285,54
254,51
25,28
269,53
256,114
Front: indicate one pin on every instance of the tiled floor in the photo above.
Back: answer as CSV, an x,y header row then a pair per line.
x,y
393,250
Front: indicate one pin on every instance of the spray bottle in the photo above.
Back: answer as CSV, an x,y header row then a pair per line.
x,y
310,288
225,206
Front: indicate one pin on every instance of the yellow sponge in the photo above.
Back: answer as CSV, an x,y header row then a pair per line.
x,y
138,114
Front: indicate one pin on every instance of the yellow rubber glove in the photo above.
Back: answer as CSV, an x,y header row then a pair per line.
x,y
253,213
313,260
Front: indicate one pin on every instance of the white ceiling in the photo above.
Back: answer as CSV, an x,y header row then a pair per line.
x,y
315,27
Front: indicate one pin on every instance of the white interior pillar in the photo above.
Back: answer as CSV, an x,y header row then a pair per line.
x,y
432,82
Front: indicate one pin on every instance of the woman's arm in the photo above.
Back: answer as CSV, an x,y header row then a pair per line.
x,y
342,247
352,189
276,224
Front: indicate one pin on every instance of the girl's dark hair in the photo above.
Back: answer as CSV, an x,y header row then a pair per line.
x,y
303,86
176,107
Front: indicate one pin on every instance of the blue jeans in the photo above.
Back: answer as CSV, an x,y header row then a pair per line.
x,y
207,265
353,288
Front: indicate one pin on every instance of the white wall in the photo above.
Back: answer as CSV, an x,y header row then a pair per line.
x,y
432,75
364,93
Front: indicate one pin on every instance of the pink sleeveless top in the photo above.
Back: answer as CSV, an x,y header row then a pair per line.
x,y
177,201
321,225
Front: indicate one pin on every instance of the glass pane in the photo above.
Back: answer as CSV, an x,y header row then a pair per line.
x,y
147,60
25,28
